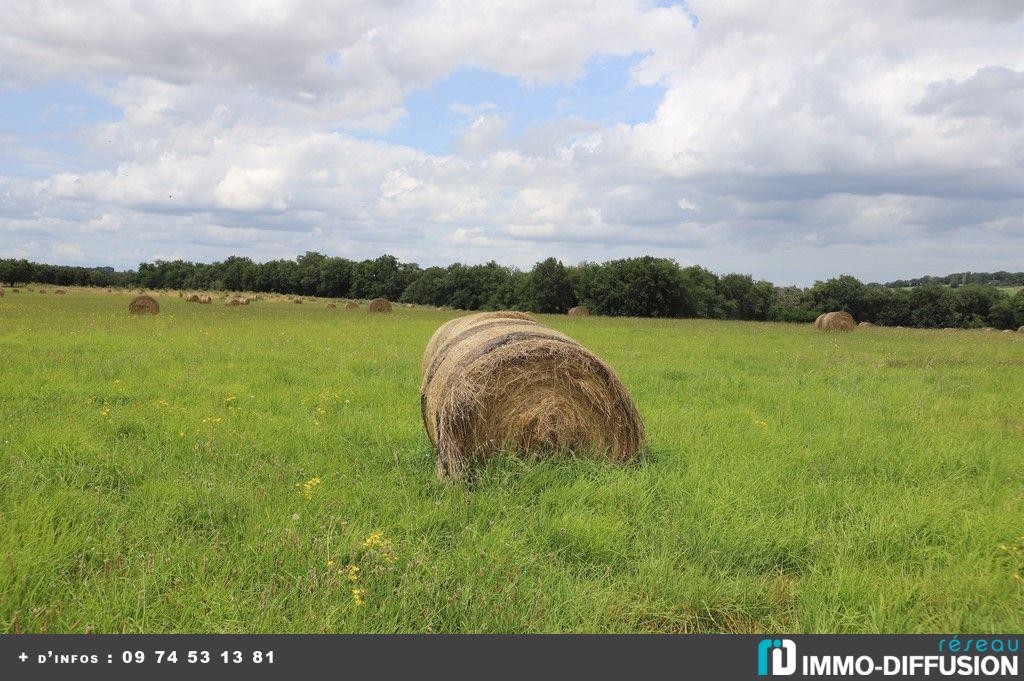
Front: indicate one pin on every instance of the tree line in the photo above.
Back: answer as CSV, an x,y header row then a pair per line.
x,y
638,287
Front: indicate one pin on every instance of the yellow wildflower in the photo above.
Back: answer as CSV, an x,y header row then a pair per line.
x,y
357,596
353,573
307,488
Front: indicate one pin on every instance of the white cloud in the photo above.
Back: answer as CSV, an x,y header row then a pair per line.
x,y
793,139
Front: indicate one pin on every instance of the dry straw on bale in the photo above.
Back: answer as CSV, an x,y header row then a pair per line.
x,y
1020,330
233,302
579,311
331,306
297,300
60,292
379,305
143,305
501,380
192,298
836,321
865,324
351,305
205,300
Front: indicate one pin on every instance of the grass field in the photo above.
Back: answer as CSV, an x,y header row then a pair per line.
x,y
160,474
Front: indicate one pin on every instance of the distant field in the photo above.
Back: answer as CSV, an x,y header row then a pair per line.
x,y
160,474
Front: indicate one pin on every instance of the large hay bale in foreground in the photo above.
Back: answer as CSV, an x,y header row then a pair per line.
x,y
379,305
492,383
351,305
579,311
837,321
144,305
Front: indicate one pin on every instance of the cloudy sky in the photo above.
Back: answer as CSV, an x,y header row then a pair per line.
x,y
793,140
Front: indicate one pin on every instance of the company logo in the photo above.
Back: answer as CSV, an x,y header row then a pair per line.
x,y
776,657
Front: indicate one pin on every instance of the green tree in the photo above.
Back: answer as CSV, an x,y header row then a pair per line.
x,y
550,289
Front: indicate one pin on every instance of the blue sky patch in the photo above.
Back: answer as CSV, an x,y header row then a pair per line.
x,y
603,94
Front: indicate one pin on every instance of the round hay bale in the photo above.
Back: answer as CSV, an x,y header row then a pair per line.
x,y
144,305
192,298
1020,330
42,291
865,324
817,322
988,328
495,383
579,311
233,302
60,292
205,300
837,321
379,305
351,305
15,290
297,301
409,305
331,306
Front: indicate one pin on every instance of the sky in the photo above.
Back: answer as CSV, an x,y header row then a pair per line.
x,y
791,140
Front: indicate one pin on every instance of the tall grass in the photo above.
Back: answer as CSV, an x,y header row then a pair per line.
x,y
157,475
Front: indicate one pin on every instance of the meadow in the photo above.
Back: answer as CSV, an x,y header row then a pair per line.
x,y
264,469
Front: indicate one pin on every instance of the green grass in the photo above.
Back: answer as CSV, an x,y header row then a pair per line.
x,y
797,481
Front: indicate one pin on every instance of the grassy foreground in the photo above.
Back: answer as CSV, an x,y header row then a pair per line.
x,y
264,468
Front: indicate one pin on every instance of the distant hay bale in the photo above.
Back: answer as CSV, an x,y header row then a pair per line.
x,y
60,292
15,290
865,324
379,305
42,291
331,306
409,305
143,305
351,305
233,302
205,300
192,298
298,301
492,383
988,328
836,321
579,311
